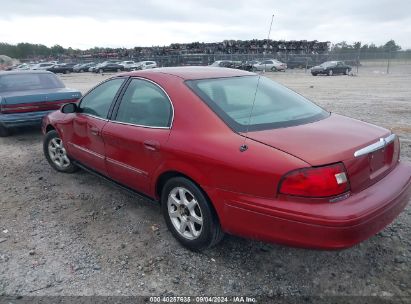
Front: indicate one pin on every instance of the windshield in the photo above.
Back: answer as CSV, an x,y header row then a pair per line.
x,y
25,82
328,63
275,106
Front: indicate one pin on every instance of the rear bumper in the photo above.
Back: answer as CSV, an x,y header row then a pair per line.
x,y
317,225
22,119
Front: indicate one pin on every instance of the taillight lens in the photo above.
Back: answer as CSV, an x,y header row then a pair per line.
x,y
316,181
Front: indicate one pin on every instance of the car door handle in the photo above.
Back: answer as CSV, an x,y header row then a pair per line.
x,y
151,145
95,131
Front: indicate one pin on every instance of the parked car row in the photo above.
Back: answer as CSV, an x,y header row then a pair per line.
x,y
327,68
106,66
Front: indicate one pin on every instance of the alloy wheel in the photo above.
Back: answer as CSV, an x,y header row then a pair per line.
x,y
185,213
58,154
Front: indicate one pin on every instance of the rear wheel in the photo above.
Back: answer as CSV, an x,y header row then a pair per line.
x,y
273,69
118,70
189,215
4,132
56,154
330,72
100,71
347,71
314,74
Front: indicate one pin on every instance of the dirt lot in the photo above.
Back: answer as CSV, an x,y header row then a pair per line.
x,y
78,235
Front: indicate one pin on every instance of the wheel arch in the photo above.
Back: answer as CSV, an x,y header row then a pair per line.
x,y
167,175
49,128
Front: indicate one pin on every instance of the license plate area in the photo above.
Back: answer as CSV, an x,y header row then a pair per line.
x,y
380,160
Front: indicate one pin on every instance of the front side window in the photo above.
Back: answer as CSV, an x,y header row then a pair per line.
x,y
145,104
275,106
97,102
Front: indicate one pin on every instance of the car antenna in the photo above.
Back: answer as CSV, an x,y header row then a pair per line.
x,y
244,146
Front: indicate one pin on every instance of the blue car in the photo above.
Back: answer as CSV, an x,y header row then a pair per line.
x,y
27,96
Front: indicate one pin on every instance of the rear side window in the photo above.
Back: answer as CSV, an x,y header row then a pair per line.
x,y
275,106
25,82
145,104
98,101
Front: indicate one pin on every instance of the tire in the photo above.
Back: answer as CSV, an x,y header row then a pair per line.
x,y
314,74
66,72
4,132
101,71
330,73
118,70
274,69
199,234
347,71
254,69
55,153
81,71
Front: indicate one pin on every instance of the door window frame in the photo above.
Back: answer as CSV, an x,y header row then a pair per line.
x,y
113,102
120,99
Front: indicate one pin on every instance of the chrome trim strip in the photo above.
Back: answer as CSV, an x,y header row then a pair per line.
x,y
125,166
87,150
383,142
93,116
135,125
150,127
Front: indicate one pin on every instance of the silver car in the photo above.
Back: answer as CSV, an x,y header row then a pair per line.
x,y
270,65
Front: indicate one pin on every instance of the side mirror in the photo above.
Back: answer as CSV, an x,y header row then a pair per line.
x,y
69,108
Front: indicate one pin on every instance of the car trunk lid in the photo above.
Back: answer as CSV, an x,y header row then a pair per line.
x,y
36,100
336,139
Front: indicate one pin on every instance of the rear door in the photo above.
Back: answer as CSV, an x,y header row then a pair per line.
x,y
84,136
137,134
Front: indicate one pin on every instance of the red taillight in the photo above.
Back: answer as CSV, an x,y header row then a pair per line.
x,y
316,181
33,107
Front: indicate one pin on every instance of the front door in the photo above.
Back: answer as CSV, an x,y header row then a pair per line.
x,y
137,135
85,141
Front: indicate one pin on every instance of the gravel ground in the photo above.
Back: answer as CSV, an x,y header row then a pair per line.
x,y
79,235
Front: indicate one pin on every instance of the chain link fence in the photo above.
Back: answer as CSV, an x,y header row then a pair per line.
x,y
375,62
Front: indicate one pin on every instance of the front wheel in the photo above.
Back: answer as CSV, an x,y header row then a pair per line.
x,y
118,70
330,72
273,69
189,215
56,153
101,71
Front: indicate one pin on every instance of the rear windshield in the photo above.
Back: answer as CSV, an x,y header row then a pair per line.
x,y
275,106
25,82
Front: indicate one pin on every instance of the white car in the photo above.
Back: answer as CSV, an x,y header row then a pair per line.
x,y
128,64
42,66
22,67
270,65
144,65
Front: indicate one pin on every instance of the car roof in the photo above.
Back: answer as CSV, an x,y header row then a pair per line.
x,y
25,72
193,72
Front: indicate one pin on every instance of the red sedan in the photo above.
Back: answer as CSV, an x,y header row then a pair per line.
x,y
229,151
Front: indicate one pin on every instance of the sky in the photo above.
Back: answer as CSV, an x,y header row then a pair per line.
x,y
127,23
